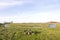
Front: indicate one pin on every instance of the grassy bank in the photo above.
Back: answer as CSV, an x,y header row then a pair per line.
x,y
16,32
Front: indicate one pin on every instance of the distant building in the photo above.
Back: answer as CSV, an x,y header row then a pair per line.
x,y
6,24
52,25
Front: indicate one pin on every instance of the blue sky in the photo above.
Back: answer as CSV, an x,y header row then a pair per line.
x,y
29,10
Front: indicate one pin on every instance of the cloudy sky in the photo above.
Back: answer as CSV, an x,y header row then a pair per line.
x,y
29,10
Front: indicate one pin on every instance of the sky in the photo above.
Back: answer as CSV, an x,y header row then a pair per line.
x,y
24,11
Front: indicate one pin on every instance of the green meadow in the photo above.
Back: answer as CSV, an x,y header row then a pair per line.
x,y
15,31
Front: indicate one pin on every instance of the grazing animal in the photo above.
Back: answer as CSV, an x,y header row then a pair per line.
x,y
29,32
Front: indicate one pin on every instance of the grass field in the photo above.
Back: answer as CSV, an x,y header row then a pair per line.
x,y
16,32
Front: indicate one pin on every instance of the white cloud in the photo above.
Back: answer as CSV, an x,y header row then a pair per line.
x,y
9,3
37,17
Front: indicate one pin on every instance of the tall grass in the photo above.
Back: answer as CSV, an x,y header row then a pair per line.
x,y
16,32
